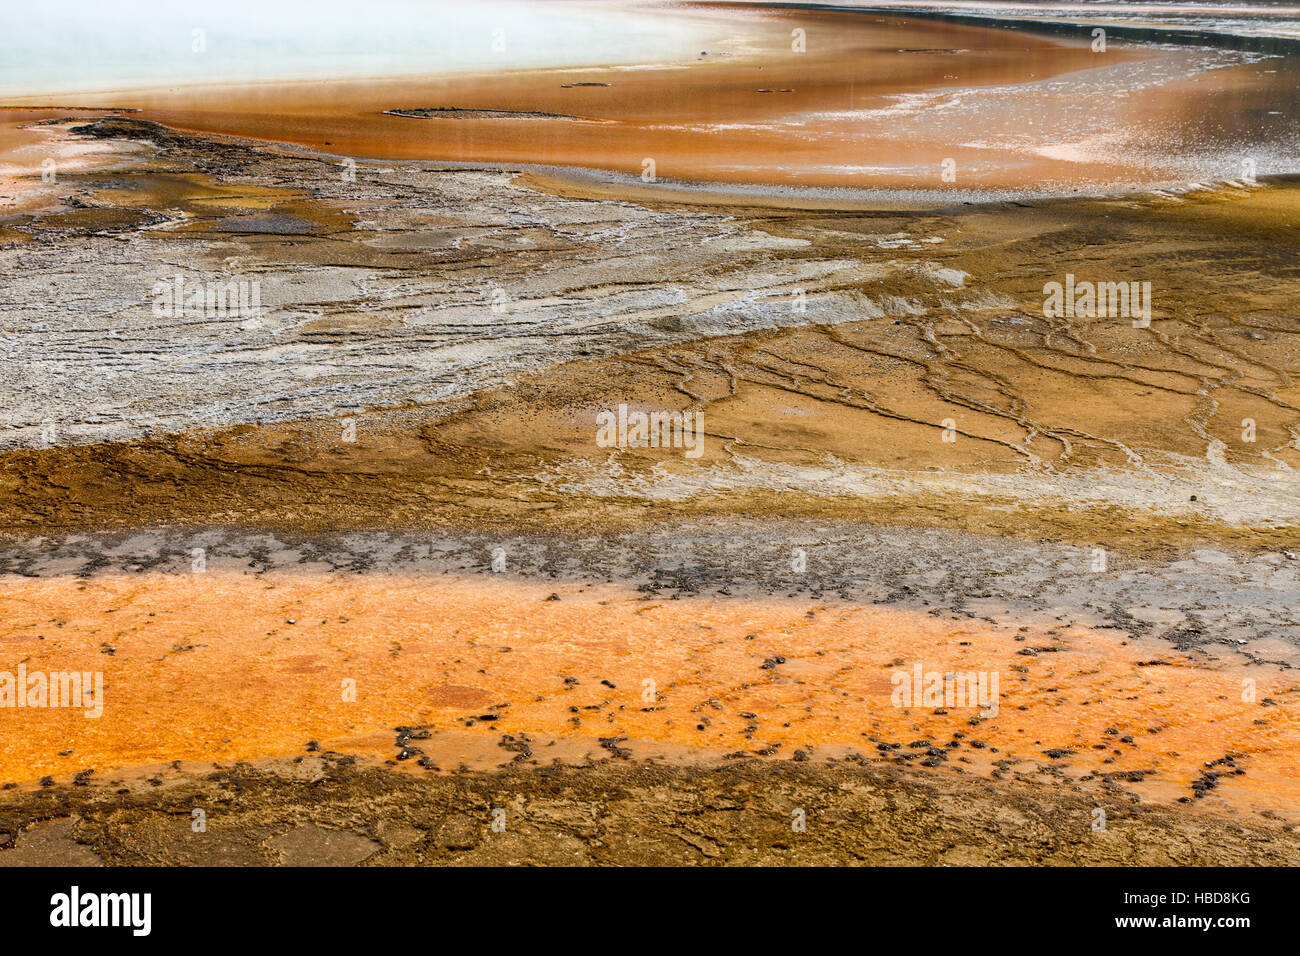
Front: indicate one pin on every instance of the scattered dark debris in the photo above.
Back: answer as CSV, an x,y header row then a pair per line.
x,y
612,745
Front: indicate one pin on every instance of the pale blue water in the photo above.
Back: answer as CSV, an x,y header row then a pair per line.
x,y
56,46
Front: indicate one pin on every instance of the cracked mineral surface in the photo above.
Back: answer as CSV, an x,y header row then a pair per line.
x,y
302,458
